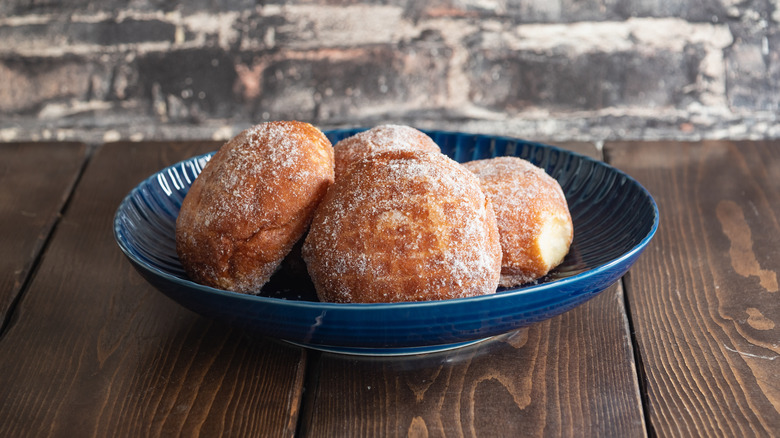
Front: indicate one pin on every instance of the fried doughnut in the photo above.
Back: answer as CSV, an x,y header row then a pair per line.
x,y
403,225
532,214
253,200
378,139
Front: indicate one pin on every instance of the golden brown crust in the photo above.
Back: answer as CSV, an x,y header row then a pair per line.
x,y
379,139
531,212
252,202
403,226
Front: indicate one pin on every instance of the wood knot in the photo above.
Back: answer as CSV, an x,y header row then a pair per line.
x,y
758,321
743,259
417,429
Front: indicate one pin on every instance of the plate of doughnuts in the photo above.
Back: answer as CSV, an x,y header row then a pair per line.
x,y
357,274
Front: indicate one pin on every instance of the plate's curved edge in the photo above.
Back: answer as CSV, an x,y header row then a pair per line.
x,y
391,351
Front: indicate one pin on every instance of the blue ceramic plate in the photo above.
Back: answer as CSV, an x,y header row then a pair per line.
x,y
614,219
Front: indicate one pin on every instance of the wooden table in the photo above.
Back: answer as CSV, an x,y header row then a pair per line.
x,y
687,344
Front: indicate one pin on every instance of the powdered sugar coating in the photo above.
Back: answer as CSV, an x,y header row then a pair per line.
x,y
527,203
403,226
381,138
252,201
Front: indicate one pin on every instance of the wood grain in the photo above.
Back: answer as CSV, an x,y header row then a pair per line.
x,y
573,375
35,182
95,351
704,296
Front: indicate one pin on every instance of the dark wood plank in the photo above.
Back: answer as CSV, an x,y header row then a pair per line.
x,y
95,351
571,375
704,296
35,181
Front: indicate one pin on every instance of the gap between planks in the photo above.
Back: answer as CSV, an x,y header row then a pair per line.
x,y
38,256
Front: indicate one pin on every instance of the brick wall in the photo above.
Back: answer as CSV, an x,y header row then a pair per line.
x,y
547,70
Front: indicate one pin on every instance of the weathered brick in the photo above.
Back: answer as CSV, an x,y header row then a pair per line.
x,y
754,75
42,36
197,82
262,31
28,36
560,11
590,81
773,72
67,7
110,32
28,83
651,63
690,10
22,7
212,6
306,27
342,85
751,21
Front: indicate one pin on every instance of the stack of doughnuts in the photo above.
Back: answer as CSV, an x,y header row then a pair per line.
x,y
383,216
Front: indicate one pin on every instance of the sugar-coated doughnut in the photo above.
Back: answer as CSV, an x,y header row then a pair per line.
x,y
379,139
533,217
403,225
253,200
